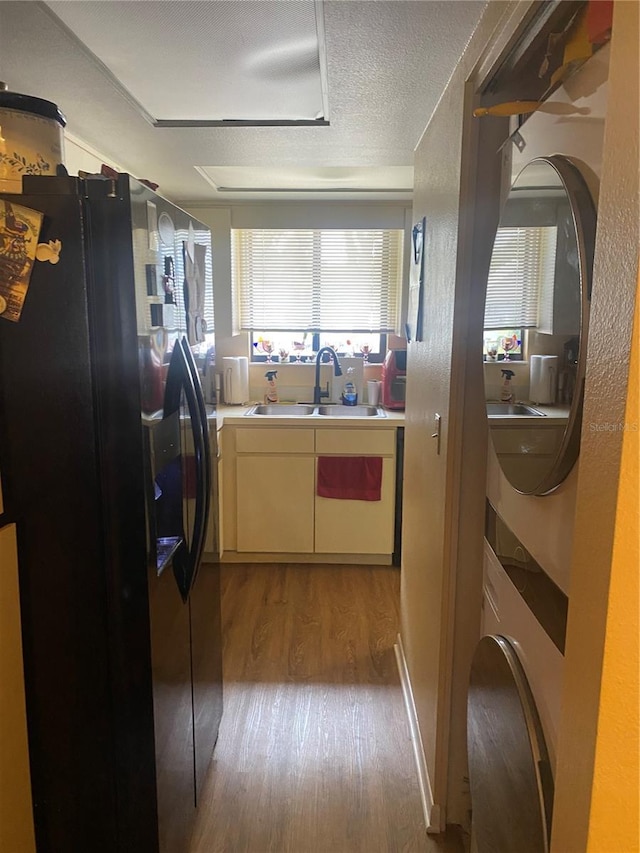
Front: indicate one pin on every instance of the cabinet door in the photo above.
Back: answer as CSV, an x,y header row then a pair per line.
x,y
358,527
275,504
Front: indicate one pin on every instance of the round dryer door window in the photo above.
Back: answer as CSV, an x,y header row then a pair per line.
x,y
509,769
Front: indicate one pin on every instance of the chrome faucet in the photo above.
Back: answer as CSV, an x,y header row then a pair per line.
x,y
318,393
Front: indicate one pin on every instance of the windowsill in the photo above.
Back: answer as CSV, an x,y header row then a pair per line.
x,y
311,360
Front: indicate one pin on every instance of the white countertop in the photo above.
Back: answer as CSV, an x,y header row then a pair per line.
x,y
236,416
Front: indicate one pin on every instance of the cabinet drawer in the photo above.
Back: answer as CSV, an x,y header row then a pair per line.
x,y
356,442
267,440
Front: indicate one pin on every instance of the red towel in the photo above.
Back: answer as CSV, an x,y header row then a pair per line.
x,y
353,478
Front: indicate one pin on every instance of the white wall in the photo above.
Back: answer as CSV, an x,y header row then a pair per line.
x,y
80,156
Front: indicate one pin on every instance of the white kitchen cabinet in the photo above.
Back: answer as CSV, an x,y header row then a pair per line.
x,y
274,490
269,499
275,504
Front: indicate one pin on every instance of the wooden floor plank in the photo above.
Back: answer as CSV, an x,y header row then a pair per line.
x,y
314,753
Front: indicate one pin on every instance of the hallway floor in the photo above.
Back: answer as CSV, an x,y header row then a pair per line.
x,y
314,754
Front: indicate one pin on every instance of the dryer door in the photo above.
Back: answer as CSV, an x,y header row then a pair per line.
x,y
509,769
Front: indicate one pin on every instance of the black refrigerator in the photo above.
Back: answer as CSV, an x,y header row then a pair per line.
x,y
105,456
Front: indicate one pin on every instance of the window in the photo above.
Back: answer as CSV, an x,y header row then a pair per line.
x,y
308,283
523,260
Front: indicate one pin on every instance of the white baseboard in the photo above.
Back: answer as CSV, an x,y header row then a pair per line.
x,y
433,813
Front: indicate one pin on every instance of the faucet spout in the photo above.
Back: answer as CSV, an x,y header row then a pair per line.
x,y
318,393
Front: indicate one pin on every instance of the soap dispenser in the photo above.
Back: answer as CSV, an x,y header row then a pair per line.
x,y
506,395
350,392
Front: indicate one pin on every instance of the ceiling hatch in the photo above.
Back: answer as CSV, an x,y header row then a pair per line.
x,y
316,179
209,63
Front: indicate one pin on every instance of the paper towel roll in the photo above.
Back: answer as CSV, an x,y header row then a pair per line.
x,y
543,378
235,379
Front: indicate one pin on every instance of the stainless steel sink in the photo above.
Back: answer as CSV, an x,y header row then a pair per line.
x,y
498,410
298,410
283,410
351,411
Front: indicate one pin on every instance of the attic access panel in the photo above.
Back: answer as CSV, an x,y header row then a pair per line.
x,y
207,63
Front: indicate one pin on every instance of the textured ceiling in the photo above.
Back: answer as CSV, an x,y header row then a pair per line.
x,y
387,62
221,60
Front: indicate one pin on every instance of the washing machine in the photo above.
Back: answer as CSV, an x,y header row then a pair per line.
x,y
514,698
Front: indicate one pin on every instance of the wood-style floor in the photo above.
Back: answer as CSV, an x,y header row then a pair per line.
x,y
314,754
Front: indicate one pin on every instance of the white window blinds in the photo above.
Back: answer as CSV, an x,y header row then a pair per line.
x,y
176,252
522,267
318,281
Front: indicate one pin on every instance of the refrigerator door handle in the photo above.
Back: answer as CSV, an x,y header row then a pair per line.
x,y
204,469
181,380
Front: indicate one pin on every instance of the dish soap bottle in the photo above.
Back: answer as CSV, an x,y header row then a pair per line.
x,y
272,392
506,395
350,392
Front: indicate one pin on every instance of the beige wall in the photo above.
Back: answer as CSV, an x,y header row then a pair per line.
x,y
441,568
597,778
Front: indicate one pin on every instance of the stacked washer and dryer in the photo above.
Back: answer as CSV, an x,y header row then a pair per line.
x,y
516,678
514,697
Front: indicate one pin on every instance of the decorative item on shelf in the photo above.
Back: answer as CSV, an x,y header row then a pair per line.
x,y
509,344
299,347
283,354
491,347
365,349
265,347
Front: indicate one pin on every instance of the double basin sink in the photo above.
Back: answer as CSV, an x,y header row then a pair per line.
x,y
298,410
